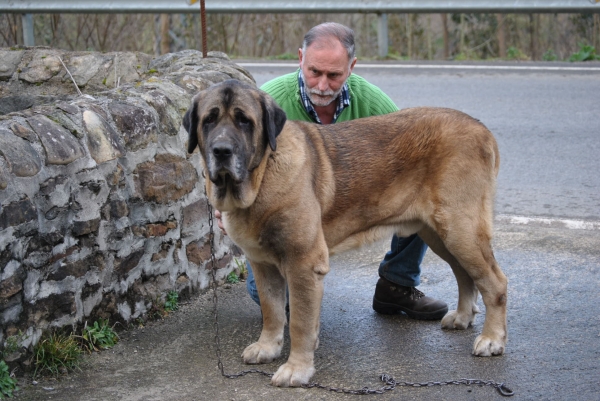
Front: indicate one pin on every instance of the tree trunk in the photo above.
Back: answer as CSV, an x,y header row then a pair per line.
x,y
409,35
446,39
429,44
533,32
165,39
462,35
501,35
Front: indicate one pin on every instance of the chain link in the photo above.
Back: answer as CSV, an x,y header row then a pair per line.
x,y
389,382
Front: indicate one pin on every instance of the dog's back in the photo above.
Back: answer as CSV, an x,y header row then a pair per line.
x,y
394,168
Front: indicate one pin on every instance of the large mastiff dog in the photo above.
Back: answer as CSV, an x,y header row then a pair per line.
x,y
294,193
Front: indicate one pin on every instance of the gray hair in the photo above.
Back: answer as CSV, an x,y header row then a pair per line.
x,y
328,30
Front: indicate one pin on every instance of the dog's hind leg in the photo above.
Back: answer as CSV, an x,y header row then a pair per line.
x,y
469,241
464,315
271,290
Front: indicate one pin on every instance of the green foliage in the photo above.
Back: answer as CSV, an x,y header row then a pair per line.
x,y
585,53
233,278
513,53
549,55
56,353
7,383
242,272
11,344
172,301
98,336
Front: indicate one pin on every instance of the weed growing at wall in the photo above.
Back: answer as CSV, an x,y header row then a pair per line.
x,y
233,278
7,383
98,336
172,301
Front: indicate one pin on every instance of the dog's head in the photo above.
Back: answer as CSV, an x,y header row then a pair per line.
x,y
233,124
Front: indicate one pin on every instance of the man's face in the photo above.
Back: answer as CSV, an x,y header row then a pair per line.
x,y
326,68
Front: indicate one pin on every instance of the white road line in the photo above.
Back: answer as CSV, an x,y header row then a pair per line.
x,y
442,67
564,223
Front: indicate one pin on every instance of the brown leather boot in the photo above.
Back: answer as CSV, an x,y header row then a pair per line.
x,y
390,299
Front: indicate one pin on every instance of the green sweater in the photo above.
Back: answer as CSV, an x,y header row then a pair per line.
x,y
365,99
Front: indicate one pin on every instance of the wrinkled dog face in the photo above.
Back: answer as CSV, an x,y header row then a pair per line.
x,y
232,123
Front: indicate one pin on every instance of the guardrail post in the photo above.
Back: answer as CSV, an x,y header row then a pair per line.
x,y
382,34
28,38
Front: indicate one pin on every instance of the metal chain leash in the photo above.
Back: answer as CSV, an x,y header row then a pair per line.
x,y
389,382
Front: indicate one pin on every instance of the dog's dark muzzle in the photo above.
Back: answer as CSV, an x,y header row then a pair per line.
x,y
224,165
222,151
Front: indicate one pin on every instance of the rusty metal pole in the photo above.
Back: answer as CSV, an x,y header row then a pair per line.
x,y
203,24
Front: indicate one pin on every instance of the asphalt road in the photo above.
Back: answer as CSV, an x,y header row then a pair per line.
x,y
546,118
547,241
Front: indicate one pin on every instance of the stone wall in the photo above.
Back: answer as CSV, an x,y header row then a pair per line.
x,y
102,211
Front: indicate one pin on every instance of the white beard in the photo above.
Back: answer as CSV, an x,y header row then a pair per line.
x,y
319,101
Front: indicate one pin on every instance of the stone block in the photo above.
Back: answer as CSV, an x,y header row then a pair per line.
x,y
195,215
166,179
163,253
60,145
44,242
85,227
118,209
83,67
128,263
221,263
9,62
153,229
16,213
198,252
22,158
137,125
62,119
3,180
79,268
104,143
10,287
50,308
169,117
68,108
23,132
49,186
41,68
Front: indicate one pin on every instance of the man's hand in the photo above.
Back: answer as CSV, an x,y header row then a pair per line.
x,y
220,221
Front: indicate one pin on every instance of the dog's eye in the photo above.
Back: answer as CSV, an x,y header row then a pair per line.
x,y
211,118
242,119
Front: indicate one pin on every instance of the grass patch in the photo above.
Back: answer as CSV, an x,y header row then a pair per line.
x,y
56,354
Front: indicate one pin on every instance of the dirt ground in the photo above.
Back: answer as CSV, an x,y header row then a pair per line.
x,y
552,353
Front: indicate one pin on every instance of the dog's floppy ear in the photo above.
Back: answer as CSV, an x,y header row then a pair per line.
x,y
190,123
274,119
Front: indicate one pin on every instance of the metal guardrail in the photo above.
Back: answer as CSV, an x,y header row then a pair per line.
x,y
380,7
306,6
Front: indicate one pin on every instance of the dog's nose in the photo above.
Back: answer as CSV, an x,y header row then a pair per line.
x,y
222,150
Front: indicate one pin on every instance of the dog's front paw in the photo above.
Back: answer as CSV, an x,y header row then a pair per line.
x,y
457,321
487,346
261,352
292,375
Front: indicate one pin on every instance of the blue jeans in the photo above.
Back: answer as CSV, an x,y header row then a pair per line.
x,y
401,265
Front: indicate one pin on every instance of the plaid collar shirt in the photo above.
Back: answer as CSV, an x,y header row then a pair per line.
x,y
343,100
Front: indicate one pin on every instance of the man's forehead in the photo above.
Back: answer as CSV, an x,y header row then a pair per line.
x,y
326,57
